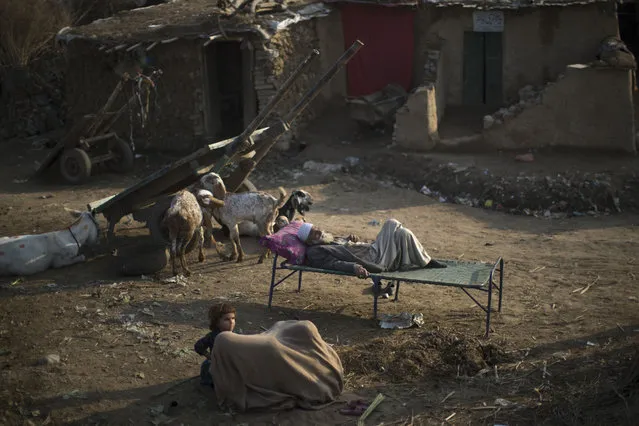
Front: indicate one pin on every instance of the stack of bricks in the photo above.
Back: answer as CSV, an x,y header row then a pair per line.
x,y
263,78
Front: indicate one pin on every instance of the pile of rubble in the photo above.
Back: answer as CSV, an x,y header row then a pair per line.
x,y
561,195
528,96
570,194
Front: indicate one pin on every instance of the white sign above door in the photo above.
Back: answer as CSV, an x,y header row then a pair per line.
x,y
488,21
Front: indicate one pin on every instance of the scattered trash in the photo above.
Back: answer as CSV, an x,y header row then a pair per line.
x,y
52,285
447,396
378,400
589,343
182,352
401,321
488,204
425,190
20,180
178,279
156,410
374,222
76,393
139,375
351,161
500,402
322,168
525,158
45,197
147,311
49,359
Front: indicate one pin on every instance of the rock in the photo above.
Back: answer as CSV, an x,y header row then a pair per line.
x,y
351,161
527,93
507,116
489,122
322,168
49,359
525,158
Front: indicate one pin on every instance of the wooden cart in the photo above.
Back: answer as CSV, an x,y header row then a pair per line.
x,y
234,159
92,141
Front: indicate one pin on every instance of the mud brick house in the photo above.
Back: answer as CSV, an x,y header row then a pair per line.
x,y
472,62
219,67
474,57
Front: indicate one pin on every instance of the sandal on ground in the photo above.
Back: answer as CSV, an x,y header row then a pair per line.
x,y
354,408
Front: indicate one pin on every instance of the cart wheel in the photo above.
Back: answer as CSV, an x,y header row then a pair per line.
x,y
124,158
75,165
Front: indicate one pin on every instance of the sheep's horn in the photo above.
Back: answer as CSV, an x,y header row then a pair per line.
x,y
217,202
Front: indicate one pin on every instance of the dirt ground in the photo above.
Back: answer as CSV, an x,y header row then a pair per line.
x,y
567,333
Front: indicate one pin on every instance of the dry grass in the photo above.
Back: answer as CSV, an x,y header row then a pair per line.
x,y
403,356
27,29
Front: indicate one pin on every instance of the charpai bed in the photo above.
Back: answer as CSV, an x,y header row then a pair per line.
x,y
479,277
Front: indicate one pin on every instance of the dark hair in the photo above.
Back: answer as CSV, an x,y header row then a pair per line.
x,y
218,311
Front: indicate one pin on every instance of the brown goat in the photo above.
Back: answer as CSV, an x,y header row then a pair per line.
x,y
183,219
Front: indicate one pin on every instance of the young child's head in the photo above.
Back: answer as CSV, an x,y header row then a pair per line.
x,y
222,317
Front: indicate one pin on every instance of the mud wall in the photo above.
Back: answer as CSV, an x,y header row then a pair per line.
x,y
538,43
588,108
176,121
277,59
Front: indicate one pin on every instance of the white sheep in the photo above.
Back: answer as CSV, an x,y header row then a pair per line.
x,y
257,207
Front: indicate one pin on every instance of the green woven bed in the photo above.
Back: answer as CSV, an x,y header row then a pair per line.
x,y
457,274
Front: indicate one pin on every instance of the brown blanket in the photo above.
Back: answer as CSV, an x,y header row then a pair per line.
x,y
288,366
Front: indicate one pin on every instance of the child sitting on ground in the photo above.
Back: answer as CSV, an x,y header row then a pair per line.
x,y
221,318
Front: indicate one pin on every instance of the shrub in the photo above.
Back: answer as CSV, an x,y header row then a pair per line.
x,y
28,29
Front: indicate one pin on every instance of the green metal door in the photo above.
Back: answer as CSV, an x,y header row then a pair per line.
x,y
493,68
473,73
482,72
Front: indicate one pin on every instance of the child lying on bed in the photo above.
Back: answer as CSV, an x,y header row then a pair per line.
x,y
221,318
395,248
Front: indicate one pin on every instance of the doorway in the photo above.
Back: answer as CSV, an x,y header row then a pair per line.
x,y
229,96
482,72
628,30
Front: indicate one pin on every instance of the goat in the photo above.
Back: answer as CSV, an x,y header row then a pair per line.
x,y
183,219
258,207
30,254
300,201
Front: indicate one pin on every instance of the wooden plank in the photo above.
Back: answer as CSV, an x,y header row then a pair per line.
x,y
473,71
494,68
169,176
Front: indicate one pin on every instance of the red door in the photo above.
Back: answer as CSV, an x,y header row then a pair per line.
x,y
387,55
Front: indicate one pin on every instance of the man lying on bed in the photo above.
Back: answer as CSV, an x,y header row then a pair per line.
x,y
395,248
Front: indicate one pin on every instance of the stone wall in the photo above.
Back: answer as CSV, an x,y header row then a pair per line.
x,y
177,119
538,43
589,108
